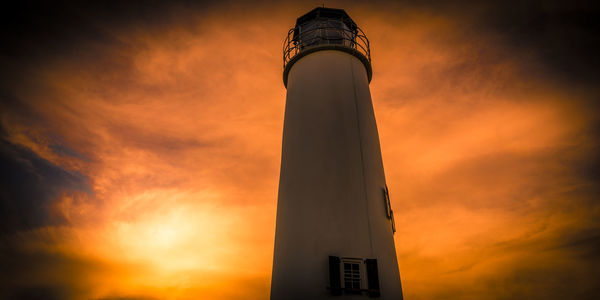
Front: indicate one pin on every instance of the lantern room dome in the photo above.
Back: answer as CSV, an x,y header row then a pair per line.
x,y
325,29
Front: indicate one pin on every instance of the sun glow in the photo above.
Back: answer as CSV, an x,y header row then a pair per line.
x,y
169,242
171,231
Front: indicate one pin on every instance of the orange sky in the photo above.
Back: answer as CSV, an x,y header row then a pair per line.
x,y
176,130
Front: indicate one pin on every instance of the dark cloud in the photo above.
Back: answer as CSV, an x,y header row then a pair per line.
x,y
39,292
64,150
37,32
583,243
534,280
544,264
564,34
28,185
560,38
33,28
28,274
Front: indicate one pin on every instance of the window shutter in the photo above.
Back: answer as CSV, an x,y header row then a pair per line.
x,y
373,278
334,276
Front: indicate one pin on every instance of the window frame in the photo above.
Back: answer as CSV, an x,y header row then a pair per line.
x,y
361,271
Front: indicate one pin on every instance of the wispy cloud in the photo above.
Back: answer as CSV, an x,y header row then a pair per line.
x,y
140,154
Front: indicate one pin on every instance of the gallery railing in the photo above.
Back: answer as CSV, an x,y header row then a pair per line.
x,y
325,35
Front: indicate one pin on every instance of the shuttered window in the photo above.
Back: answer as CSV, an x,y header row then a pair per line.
x,y
353,276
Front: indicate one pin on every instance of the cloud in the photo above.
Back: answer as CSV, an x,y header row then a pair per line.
x,y
141,143
30,185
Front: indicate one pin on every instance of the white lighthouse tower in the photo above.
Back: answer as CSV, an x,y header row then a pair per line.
x,y
335,225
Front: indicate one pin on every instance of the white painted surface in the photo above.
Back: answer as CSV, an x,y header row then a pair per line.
x,y
330,191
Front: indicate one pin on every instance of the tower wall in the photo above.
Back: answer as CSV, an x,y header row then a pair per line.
x,y
331,199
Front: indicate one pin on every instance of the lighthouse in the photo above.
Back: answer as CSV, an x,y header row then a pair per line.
x,y
335,225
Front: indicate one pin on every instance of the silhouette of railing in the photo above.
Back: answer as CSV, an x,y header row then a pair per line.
x,y
323,35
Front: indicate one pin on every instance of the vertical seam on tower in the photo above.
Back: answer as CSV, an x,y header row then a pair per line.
x,y
362,160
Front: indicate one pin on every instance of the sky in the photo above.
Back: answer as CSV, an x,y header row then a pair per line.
x,y
140,146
